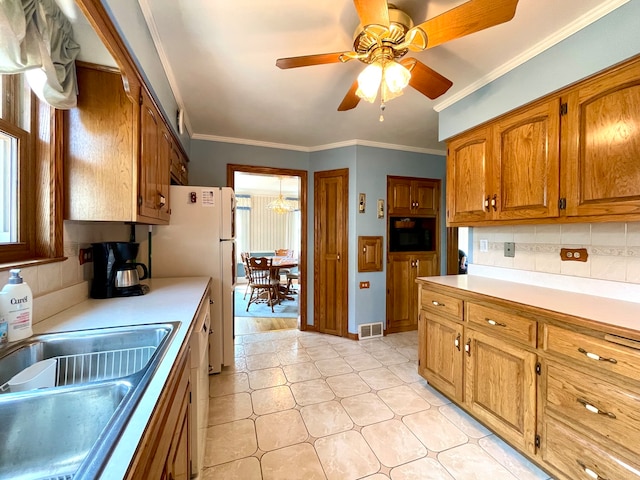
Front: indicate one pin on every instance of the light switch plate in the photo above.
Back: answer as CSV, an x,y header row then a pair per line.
x,y
484,245
509,249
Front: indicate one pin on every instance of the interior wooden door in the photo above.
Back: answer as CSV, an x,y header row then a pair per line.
x,y
331,189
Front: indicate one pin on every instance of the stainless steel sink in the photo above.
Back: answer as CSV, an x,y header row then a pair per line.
x,y
49,434
87,355
69,431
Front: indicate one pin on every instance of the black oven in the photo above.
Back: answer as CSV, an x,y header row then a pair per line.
x,y
411,234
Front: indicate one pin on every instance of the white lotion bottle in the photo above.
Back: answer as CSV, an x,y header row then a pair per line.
x,y
16,305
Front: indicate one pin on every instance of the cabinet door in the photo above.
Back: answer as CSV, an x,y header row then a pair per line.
x,y
399,201
149,150
601,145
402,293
164,174
425,196
500,387
526,165
468,177
442,365
179,460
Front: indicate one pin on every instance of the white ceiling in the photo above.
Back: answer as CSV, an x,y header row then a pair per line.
x,y
220,57
220,61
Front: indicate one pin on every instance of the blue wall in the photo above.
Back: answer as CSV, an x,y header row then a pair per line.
x,y
131,25
368,169
610,40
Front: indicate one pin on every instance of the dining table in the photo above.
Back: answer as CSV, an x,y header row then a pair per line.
x,y
278,262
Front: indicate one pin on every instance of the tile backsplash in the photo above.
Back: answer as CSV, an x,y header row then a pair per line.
x,y
614,249
58,276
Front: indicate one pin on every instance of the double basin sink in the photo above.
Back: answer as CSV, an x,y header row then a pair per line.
x,y
68,431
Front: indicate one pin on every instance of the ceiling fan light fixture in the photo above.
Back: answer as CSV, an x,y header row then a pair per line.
x,y
396,76
389,77
369,82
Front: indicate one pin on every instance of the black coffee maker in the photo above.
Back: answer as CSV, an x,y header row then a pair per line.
x,y
115,271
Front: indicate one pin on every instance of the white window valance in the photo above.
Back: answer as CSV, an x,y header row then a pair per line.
x,y
37,39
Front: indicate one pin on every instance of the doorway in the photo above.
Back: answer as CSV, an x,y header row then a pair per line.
x,y
272,174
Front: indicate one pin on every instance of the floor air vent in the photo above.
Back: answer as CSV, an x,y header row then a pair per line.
x,y
370,330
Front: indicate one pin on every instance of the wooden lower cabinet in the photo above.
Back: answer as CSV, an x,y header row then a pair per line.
x,y
500,387
165,450
440,358
566,395
572,456
402,290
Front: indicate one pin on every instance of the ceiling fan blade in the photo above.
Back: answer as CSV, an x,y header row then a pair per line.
x,y
470,17
350,100
426,80
372,12
309,60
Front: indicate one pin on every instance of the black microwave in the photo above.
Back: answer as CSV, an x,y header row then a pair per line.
x,y
411,234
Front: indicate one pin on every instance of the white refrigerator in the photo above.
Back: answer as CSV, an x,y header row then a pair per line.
x,y
200,241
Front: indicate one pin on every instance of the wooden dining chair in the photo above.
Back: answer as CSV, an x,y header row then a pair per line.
x,y
262,282
284,252
244,256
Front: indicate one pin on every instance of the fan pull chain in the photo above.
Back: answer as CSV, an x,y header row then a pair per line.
x,y
382,107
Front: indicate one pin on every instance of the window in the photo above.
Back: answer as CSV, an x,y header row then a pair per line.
x,y
29,172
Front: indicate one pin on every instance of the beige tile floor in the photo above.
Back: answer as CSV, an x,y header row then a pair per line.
x,y
300,405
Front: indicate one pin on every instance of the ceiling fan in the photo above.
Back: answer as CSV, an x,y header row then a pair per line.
x,y
386,34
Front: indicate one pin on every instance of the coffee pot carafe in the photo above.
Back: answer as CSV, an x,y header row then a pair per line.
x,y
115,271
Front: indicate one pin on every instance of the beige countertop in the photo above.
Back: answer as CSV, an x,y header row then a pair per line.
x,y
169,300
603,310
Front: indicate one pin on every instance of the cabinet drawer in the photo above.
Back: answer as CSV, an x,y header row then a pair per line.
x,y
602,407
505,324
441,303
579,459
596,353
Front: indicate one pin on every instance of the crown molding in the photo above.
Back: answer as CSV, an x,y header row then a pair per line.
x,y
318,148
577,25
155,36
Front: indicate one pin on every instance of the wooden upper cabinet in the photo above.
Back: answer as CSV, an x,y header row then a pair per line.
x,y
601,144
468,176
526,163
412,196
117,152
572,154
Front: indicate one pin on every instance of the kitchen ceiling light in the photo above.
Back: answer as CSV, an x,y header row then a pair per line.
x,y
280,205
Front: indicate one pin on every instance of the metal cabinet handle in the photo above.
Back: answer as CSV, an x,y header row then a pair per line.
x,y
590,472
435,303
494,202
594,409
162,200
595,356
364,249
486,203
338,256
417,263
456,342
494,323
467,347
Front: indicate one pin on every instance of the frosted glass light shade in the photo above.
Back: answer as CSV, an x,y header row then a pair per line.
x,y
369,82
391,78
396,76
